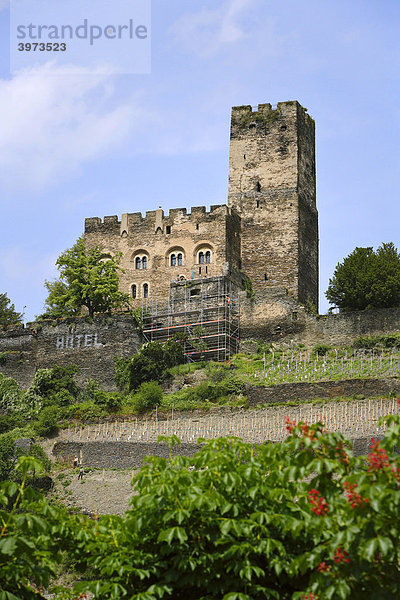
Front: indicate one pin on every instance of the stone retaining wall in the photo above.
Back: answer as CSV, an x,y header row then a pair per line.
x,y
288,392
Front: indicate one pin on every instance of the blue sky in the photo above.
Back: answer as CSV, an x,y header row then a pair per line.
x,y
92,144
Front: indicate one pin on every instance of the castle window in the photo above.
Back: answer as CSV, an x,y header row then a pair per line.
x,y
168,228
144,262
208,258
201,258
195,292
134,291
138,262
197,225
265,277
145,290
199,270
258,186
258,204
206,270
180,259
283,127
173,260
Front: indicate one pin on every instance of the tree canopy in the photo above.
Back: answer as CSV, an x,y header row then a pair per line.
x,y
8,314
366,279
299,520
87,279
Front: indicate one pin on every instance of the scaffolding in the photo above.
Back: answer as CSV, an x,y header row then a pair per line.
x,y
206,310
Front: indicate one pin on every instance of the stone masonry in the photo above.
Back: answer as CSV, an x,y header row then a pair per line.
x,y
269,230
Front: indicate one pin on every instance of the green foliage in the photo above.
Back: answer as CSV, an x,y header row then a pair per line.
x,y
10,422
110,401
47,423
8,314
7,455
148,396
87,279
320,350
47,383
10,394
248,286
293,520
149,364
378,341
366,279
86,411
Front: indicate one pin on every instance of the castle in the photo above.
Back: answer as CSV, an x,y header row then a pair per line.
x,y
268,230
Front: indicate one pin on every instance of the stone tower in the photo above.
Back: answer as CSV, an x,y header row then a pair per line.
x,y
272,186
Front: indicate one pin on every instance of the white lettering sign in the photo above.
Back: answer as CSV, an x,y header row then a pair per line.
x,y
73,342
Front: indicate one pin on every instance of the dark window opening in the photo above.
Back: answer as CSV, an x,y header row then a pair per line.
x,y
197,225
144,262
168,228
258,204
195,292
294,316
206,270
244,156
201,258
173,260
134,291
138,262
258,186
240,263
180,259
283,127
265,277
208,257
199,270
145,290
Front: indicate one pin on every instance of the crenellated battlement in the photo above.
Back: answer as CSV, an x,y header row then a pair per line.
x,y
112,223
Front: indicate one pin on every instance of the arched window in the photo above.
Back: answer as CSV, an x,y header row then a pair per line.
x,y
208,257
201,258
144,262
180,259
145,290
138,262
173,260
134,291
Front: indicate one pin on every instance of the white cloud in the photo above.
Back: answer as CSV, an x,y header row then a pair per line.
x,y
206,31
53,121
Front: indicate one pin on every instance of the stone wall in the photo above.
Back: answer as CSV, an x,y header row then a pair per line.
x,y
131,455
275,316
91,346
120,455
288,392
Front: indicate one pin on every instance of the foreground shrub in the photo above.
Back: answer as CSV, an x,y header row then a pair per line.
x,y
47,423
299,520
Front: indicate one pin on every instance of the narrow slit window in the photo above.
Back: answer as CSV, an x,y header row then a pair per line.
x,y
144,262
201,258
199,270
138,262
208,257
180,259
173,260
168,228
134,291
145,290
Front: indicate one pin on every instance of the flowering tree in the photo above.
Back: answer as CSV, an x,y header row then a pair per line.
x,y
301,520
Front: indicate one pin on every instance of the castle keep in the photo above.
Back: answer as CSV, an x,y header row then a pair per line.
x,y
268,230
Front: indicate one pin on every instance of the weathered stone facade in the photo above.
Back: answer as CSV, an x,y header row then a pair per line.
x,y
269,230
91,346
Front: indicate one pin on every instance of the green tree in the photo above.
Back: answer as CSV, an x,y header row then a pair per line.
x,y
8,314
87,279
366,279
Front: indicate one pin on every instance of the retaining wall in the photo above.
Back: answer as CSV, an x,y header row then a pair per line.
x,y
91,346
288,392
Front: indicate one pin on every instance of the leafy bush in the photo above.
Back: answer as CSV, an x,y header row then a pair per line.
x,y
10,394
320,349
10,422
378,341
148,396
150,364
47,423
7,455
48,382
85,411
